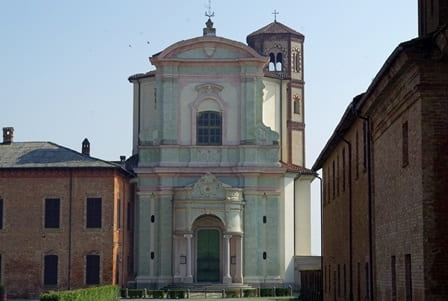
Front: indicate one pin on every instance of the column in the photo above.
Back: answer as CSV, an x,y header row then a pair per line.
x,y
239,260
226,278
189,275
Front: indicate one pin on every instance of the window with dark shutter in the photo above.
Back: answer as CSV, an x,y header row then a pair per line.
x,y
51,270
209,128
92,269
408,276
52,213
405,144
93,213
1,213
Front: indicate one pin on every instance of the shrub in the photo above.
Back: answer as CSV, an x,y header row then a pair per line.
x,y
232,293
176,294
100,293
282,291
156,294
249,293
2,289
266,292
136,293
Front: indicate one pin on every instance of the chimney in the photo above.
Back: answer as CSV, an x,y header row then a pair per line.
x,y
86,147
432,14
122,159
8,135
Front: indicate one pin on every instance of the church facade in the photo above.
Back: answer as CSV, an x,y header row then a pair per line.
x,y
222,192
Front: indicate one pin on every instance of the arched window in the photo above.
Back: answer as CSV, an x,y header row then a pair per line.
x,y
279,62
271,62
296,105
209,128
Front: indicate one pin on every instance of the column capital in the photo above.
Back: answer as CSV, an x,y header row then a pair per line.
x,y
227,236
188,236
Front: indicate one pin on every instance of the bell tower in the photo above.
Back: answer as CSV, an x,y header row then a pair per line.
x,y
284,48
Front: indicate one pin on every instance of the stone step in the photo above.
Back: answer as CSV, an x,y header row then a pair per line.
x,y
209,287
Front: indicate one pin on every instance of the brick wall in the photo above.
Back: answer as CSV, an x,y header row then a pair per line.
x,y
24,241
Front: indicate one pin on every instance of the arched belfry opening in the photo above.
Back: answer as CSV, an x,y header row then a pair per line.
x,y
275,62
279,62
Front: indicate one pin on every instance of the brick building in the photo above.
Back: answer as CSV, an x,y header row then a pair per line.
x,y
384,177
65,218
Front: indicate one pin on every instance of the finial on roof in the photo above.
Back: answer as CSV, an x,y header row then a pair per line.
x,y
275,13
209,13
209,30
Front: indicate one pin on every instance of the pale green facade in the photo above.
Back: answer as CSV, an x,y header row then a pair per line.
x,y
220,213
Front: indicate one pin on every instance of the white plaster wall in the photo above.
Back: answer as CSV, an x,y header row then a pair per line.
x,y
288,228
303,216
271,104
297,150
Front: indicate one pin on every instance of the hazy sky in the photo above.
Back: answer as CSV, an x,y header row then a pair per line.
x,y
64,64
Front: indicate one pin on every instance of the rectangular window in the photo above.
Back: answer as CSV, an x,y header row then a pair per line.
x,y
339,280
333,180
343,169
364,145
337,175
51,270
93,213
329,278
345,281
92,269
367,280
1,213
393,278
52,213
405,144
1,268
328,185
129,216
359,281
357,155
408,276
325,278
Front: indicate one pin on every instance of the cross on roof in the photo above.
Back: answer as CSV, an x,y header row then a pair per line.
x,y
275,13
209,13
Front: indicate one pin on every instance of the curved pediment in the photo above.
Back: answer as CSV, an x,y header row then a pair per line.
x,y
208,48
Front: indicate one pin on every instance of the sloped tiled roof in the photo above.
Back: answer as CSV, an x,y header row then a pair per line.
x,y
275,28
46,155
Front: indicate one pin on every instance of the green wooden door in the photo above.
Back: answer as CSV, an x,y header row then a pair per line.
x,y
208,256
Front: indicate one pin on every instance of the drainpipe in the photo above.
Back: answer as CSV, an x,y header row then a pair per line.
x,y
70,230
350,234
369,200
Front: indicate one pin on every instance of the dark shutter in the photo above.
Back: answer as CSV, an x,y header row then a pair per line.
x,y
51,270
1,213
93,269
94,213
52,208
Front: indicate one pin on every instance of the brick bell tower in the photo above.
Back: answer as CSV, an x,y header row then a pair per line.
x,y
284,47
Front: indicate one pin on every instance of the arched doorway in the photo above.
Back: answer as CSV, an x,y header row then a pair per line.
x,y
208,232
208,255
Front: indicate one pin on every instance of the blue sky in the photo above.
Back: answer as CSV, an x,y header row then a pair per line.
x,y
64,64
